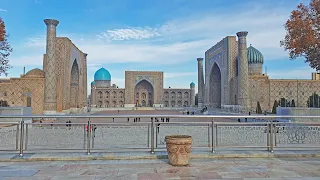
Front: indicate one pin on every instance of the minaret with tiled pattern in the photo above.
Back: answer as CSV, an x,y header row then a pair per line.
x,y
50,92
200,82
243,91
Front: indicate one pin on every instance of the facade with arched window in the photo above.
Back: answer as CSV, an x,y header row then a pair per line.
x,y
59,86
142,89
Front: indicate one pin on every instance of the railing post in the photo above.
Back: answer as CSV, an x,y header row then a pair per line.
x,y
157,128
27,134
152,136
217,136
148,139
271,137
212,133
268,136
209,136
17,137
93,134
21,138
88,137
84,136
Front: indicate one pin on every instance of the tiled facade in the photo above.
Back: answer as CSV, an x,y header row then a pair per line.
x,y
231,81
60,86
142,88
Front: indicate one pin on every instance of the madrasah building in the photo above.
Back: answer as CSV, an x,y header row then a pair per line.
x,y
57,88
142,89
232,79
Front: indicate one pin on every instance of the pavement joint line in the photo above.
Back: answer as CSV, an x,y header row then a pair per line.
x,y
142,157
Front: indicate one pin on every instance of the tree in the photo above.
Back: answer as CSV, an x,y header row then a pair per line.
x,y
313,101
274,108
5,49
258,109
303,34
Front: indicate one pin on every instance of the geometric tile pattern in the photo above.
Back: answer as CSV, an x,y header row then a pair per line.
x,y
50,71
15,92
238,87
177,97
266,90
243,70
52,92
201,96
133,77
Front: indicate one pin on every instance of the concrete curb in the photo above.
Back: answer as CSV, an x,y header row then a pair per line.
x,y
25,158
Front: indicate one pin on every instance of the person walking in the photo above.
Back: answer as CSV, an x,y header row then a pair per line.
x,y
94,130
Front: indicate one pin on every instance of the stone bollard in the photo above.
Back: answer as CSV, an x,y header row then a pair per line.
x,y
179,149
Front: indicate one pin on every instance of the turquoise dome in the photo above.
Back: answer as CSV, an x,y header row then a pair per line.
x,y
102,75
192,84
93,83
254,56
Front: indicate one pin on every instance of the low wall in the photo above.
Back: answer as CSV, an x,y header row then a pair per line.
x,y
299,111
15,111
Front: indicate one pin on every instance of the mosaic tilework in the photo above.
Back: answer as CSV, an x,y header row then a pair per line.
x,y
51,81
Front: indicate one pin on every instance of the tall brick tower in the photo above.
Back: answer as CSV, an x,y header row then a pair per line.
x,y
200,82
243,91
50,89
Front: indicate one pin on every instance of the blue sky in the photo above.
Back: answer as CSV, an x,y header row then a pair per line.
x,y
162,35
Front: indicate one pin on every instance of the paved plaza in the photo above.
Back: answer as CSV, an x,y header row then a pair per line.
x,y
232,169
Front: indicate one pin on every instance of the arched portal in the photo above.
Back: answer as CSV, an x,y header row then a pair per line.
x,y
215,86
144,94
74,86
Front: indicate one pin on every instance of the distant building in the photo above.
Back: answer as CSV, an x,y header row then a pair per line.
x,y
142,88
60,86
234,79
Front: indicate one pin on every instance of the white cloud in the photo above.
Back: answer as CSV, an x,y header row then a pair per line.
x,y
36,42
30,60
183,40
3,10
134,33
143,53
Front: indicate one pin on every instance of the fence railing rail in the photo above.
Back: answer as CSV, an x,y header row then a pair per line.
x,y
92,136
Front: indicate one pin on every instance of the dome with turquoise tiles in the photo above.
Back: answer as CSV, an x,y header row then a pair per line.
x,y
254,56
192,84
93,83
102,75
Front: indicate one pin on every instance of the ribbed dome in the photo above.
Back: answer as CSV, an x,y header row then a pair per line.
x,y
254,56
102,75
192,84
35,73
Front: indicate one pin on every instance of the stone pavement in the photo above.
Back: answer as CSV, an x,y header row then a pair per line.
x,y
232,169
138,155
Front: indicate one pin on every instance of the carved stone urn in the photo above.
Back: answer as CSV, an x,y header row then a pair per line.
x,y
179,149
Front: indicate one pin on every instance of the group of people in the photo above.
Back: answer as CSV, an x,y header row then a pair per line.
x,y
68,124
192,113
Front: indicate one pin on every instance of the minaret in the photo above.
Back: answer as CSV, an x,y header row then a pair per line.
x,y
200,82
85,83
50,91
243,91
192,94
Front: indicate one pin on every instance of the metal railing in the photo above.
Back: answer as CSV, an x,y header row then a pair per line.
x,y
88,136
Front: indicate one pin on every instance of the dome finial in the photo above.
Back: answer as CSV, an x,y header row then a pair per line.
x,y
250,44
